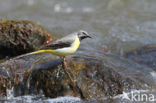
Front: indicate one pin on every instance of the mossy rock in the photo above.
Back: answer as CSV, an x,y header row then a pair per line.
x,y
21,36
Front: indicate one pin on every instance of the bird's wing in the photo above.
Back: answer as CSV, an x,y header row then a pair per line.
x,y
58,45
61,43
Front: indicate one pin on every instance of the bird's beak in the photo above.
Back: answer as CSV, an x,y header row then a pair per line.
x,y
89,36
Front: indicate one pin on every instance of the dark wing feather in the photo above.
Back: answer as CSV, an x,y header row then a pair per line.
x,y
58,45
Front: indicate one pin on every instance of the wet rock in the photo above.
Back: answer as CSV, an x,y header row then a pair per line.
x,y
145,55
21,36
92,78
4,83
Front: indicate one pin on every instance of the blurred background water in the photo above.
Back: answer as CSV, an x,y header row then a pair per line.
x,y
118,25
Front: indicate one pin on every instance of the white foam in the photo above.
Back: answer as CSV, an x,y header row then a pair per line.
x,y
153,75
87,9
63,8
10,93
31,2
57,8
42,99
66,99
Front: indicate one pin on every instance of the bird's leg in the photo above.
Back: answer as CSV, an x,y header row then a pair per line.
x,y
73,82
65,64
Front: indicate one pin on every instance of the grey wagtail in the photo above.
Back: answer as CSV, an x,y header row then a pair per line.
x,y
64,46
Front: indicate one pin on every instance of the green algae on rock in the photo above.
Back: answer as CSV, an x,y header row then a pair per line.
x,y
21,36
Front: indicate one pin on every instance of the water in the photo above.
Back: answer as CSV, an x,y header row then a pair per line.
x,y
117,25
135,96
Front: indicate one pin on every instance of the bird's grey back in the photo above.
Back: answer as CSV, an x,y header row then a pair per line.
x,y
69,38
63,42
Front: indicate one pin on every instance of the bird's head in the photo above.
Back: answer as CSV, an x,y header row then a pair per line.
x,y
83,34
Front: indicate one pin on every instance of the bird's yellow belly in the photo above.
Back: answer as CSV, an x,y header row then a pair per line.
x,y
67,50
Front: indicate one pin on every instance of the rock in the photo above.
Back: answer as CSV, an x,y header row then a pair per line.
x,y
145,55
21,36
94,78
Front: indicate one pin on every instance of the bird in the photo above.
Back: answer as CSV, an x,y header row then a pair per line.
x,y
64,46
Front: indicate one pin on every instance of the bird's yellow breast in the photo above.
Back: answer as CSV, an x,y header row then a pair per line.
x,y
68,50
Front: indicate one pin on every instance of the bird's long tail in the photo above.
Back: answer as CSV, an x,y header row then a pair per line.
x,y
35,52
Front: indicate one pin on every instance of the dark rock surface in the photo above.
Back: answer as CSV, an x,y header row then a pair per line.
x,y
95,78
